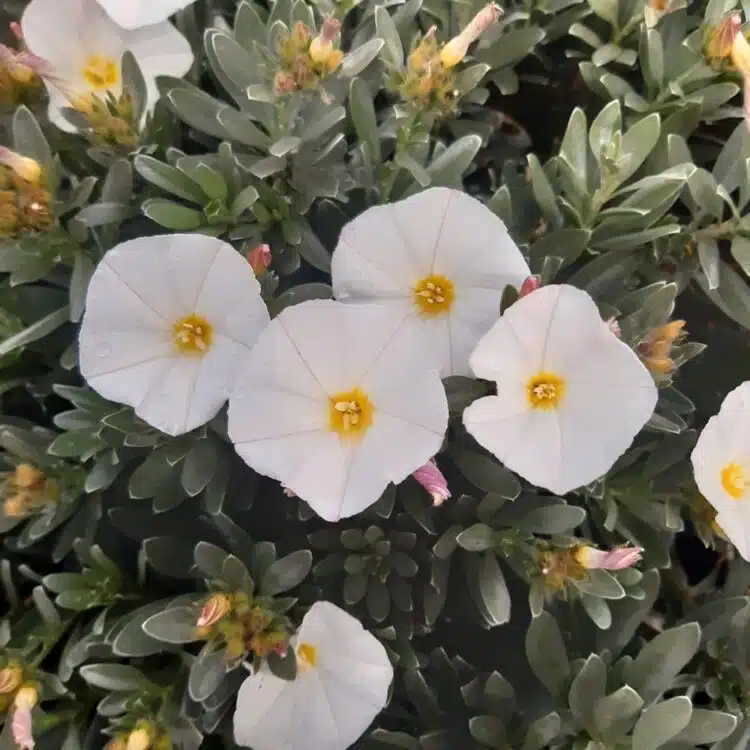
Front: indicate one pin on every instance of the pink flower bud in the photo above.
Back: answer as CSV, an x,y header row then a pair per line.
x,y
20,725
531,284
259,259
616,559
614,326
288,492
432,479
15,29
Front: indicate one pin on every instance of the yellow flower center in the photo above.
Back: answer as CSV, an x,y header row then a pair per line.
x,y
101,73
733,480
192,335
433,295
350,413
307,656
545,390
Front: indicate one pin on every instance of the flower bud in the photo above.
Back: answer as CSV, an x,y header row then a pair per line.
x,y
214,610
20,725
432,479
10,678
27,477
139,739
616,559
531,284
25,168
614,326
321,48
456,49
259,259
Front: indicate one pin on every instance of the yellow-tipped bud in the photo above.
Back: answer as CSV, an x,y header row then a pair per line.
x,y
455,50
321,48
26,697
139,739
25,168
741,54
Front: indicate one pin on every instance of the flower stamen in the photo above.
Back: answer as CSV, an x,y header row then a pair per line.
x,y
193,335
350,413
101,73
433,295
545,390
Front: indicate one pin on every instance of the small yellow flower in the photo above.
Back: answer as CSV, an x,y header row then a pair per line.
x,y
455,50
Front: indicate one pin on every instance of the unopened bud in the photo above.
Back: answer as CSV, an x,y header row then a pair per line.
x,y
20,724
259,259
321,48
10,678
139,739
530,284
614,326
616,559
214,610
456,49
25,168
432,479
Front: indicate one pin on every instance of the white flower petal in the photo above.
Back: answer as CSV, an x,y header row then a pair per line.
x,y
608,394
387,251
279,415
725,440
139,291
67,33
328,705
132,14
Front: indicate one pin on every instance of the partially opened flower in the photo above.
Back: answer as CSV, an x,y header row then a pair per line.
x,y
83,47
335,402
721,465
134,14
167,320
343,676
570,395
440,259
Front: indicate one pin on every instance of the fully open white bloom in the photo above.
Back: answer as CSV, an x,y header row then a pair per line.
x,y
570,395
343,676
336,401
133,14
441,259
84,49
721,464
167,320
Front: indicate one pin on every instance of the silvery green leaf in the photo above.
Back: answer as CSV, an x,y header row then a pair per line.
x,y
477,538
662,659
732,295
542,732
588,686
36,331
616,713
365,122
706,727
662,722
358,59
485,472
553,519
190,104
493,589
286,573
175,625
135,84
575,148
637,143
544,192
319,127
547,654
488,731
604,126
172,215
168,178
29,140
114,677
708,255
740,250
652,55
600,583
511,47
448,168
393,50
413,167
249,27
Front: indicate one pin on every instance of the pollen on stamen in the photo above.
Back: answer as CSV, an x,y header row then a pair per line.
x,y
350,413
433,295
545,390
193,335
101,73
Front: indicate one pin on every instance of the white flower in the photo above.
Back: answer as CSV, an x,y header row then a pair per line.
x,y
133,14
84,48
570,395
343,676
166,321
441,259
335,402
721,464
